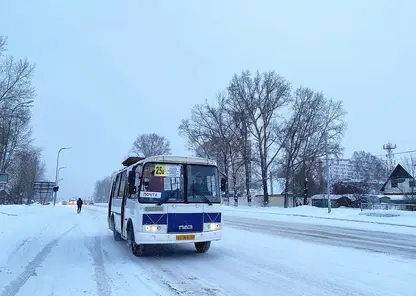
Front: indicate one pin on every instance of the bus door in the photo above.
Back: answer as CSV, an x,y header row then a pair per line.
x,y
124,192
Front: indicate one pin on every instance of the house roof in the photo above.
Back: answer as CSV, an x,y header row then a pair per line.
x,y
398,173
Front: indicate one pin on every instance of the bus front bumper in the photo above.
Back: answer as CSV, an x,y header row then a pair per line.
x,y
177,238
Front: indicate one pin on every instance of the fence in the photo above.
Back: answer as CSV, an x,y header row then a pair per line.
x,y
388,206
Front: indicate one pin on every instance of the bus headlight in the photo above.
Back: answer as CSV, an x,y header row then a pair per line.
x,y
212,226
152,228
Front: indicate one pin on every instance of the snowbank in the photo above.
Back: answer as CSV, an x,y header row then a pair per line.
x,y
378,220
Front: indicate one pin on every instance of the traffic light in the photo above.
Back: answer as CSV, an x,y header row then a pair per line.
x,y
55,189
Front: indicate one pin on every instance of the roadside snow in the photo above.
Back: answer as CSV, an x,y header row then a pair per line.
x,y
48,250
401,222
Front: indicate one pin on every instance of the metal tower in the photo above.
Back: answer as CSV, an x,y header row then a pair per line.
x,y
389,147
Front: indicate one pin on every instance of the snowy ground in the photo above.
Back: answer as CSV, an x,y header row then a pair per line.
x,y
378,220
48,250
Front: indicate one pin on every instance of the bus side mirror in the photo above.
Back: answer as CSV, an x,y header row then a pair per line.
x,y
223,184
131,180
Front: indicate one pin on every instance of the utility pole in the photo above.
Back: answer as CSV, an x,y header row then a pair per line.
x,y
305,183
327,173
57,173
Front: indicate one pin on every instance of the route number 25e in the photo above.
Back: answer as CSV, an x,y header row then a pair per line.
x,y
160,170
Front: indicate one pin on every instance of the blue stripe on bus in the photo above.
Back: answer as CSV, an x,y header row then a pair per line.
x,y
212,217
151,219
182,222
185,222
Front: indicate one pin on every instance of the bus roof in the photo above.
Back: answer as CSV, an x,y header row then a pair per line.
x,y
167,159
133,161
179,159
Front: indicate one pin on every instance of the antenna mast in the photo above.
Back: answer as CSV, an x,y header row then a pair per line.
x,y
389,147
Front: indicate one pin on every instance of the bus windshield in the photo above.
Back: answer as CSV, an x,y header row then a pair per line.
x,y
203,184
165,183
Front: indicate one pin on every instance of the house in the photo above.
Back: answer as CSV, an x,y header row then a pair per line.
x,y
276,190
400,182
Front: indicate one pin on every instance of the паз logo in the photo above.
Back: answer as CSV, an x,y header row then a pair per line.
x,y
185,227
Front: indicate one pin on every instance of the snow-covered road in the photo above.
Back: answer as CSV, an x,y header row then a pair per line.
x,y
53,251
376,241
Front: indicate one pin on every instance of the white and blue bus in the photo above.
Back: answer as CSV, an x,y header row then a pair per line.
x,y
166,200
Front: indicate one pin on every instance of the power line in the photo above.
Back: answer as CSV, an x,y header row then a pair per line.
x,y
404,152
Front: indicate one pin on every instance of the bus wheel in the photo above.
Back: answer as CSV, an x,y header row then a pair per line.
x,y
116,235
137,250
202,247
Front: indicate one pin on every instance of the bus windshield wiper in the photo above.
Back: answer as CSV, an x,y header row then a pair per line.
x,y
167,198
206,198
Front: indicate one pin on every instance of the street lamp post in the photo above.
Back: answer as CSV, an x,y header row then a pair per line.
x,y
57,172
328,176
61,168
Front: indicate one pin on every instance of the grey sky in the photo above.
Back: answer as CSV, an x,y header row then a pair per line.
x,y
109,70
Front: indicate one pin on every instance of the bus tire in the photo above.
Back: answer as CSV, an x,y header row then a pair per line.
x,y
137,249
202,247
116,235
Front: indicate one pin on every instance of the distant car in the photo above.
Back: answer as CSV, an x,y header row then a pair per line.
x,y
72,202
64,202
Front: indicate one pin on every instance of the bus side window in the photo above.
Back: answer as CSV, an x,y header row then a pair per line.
x,y
117,187
123,180
137,182
113,187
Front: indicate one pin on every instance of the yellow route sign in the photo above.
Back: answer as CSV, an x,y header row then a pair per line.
x,y
160,170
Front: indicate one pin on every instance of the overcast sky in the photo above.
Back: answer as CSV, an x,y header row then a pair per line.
x,y
109,70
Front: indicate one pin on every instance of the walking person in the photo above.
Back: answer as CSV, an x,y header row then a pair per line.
x,y
79,204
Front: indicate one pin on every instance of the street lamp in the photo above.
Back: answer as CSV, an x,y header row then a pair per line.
x,y
61,168
57,172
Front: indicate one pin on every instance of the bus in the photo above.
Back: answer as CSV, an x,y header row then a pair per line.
x,y
166,200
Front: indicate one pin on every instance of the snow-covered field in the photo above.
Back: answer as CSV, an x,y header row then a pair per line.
x,y
48,250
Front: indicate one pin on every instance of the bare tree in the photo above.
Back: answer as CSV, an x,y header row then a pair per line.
x,y
242,143
367,167
26,169
16,93
18,157
312,117
3,43
102,190
409,164
152,144
262,96
211,133
15,77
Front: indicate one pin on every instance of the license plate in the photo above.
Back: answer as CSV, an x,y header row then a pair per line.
x,y
185,237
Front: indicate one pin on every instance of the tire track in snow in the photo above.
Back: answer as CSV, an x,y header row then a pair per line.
x,y
23,243
165,270
30,270
399,245
27,241
101,278
7,214
290,277
117,256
